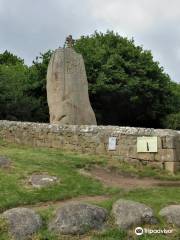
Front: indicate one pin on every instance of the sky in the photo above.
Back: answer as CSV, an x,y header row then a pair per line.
x,y
28,27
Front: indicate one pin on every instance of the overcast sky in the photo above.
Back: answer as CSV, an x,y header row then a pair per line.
x,y
28,27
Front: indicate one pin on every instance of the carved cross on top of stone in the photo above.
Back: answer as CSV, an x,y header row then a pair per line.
x,y
69,41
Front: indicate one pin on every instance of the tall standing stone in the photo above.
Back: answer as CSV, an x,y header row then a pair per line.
x,y
67,89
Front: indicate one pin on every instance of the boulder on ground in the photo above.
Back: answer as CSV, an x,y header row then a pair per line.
x,y
129,214
42,180
4,162
22,222
78,218
172,214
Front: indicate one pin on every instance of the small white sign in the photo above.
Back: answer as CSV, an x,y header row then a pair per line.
x,y
112,143
147,144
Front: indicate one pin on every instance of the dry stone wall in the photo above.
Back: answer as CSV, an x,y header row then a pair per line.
x,y
95,140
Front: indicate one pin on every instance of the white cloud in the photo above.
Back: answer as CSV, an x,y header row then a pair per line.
x,y
28,27
153,23
135,15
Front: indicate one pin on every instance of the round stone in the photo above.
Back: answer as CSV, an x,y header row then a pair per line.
x,y
129,214
4,162
42,180
78,218
22,222
172,214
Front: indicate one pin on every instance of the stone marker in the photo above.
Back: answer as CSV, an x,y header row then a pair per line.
x,y
78,218
129,214
42,180
67,89
172,214
4,162
22,222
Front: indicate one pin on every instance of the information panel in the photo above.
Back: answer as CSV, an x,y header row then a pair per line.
x,y
112,143
147,144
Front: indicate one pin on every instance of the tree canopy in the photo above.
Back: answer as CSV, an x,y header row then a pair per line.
x,y
18,86
126,86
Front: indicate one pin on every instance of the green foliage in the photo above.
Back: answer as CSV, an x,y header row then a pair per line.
x,y
8,58
175,88
35,86
22,88
13,103
172,121
37,78
126,86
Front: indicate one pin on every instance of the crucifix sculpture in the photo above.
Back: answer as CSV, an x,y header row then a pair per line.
x,y
69,41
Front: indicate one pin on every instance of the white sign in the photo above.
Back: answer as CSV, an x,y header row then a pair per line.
x,y
147,144
112,143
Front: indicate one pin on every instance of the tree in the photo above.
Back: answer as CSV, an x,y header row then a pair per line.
x,y
126,86
172,120
8,58
15,104
12,74
36,85
12,78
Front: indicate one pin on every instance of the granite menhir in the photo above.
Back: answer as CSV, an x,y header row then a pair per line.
x,y
67,89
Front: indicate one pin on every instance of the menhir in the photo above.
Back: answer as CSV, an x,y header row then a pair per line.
x,y
67,89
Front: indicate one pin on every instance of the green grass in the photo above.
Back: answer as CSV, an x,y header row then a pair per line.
x,y
110,234
142,171
14,190
156,198
116,234
25,161
3,229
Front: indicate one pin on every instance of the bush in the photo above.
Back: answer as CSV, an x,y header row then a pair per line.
x,y
172,121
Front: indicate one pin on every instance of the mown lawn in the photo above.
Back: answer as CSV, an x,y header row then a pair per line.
x,y
15,191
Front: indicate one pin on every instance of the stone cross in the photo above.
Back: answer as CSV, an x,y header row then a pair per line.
x,y
69,41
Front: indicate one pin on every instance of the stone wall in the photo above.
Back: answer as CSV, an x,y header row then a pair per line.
x,y
94,140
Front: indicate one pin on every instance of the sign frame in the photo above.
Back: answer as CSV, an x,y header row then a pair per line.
x,y
147,144
112,143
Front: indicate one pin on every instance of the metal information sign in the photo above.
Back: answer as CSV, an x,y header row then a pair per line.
x,y
112,143
147,144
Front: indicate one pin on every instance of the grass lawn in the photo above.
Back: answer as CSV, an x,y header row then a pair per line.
x,y
15,191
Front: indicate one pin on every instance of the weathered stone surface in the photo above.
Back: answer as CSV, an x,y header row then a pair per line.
x,y
78,218
172,167
168,142
166,155
22,222
172,214
67,89
4,162
94,139
129,214
42,180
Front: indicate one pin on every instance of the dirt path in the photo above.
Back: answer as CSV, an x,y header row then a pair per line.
x,y
110,179
114,179
60,203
